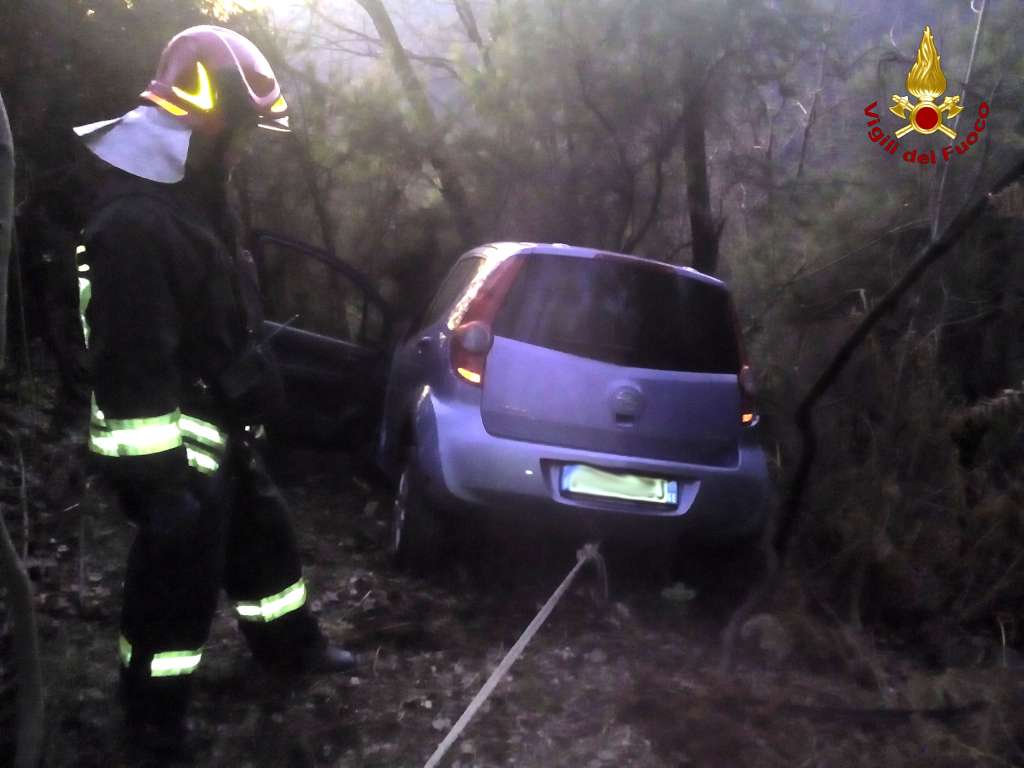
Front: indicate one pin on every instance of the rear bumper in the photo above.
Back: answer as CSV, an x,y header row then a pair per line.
x,y
517,482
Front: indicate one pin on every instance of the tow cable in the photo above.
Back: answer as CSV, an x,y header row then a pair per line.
x,y
587,553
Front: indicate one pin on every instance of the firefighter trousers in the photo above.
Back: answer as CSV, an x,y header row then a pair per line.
x,y
230,531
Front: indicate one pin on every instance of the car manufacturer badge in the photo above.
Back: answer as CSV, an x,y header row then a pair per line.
x,y
627,401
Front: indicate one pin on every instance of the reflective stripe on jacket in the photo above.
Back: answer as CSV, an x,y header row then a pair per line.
x,y
162,316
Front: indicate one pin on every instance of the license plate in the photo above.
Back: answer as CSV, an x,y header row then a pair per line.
x,y
590,481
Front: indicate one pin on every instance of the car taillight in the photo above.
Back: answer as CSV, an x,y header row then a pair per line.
x,y
745,377
471,340
470,344
469,375
468,365
748,389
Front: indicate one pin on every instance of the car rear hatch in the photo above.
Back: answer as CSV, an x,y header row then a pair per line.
x,y
616,355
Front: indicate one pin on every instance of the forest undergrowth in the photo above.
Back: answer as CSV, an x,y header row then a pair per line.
x,y
887,642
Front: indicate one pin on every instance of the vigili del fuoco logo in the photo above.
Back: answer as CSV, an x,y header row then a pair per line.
x,y
926,83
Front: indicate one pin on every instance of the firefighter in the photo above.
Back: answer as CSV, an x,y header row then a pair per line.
x,y
182,383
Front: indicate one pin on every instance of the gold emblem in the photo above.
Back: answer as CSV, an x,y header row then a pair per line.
x,y
926,81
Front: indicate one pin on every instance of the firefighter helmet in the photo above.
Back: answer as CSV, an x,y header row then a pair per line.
x,y
212,78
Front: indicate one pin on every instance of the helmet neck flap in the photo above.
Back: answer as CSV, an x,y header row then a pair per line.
x,y
145,142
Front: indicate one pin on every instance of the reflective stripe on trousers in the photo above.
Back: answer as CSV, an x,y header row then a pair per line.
x,y
275,606
171,663
166,663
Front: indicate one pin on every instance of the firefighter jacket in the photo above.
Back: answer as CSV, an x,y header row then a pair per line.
x,y
169,307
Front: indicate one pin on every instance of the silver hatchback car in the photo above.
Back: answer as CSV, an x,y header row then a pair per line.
x,y
599,392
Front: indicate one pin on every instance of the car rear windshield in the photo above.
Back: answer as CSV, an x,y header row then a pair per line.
x,y
620,311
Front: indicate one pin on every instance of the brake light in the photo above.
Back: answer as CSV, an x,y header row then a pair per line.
x,y
748,390
745,378
479,307
471,376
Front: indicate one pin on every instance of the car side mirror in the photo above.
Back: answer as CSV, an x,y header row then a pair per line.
x,y
475,337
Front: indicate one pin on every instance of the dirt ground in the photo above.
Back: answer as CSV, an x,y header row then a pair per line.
x,y
633,681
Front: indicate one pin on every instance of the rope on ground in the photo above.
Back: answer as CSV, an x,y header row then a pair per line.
x,y
586,554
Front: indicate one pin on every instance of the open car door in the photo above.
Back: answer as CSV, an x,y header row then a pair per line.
x,y
330,330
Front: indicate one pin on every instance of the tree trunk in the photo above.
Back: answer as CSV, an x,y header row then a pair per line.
x,y
29,727
452,190
6,221
698,192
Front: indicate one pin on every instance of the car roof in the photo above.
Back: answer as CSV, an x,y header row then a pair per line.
x,y
503,250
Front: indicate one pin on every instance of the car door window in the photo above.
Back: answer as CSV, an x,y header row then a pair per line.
x,y
374,328
452,287
322,299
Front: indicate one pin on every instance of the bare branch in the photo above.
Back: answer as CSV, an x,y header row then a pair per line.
x,y
662,153
652,213
813,115
804,414
982,605
468,19
310,171
340,46
6,220
26,648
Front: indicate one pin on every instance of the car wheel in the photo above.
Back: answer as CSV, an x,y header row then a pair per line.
x,y
416,536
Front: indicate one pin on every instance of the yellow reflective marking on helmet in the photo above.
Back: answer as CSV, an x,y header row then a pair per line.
x,y
280,105
174,109
203,97
274,607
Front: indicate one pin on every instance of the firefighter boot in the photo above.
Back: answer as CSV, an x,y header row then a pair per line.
x,y
154,716
294,643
